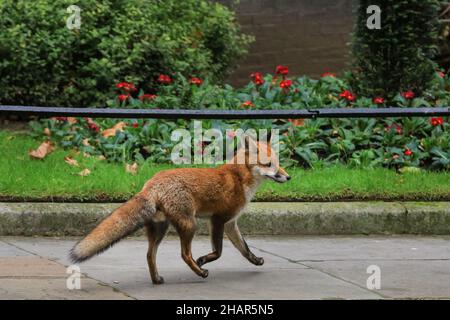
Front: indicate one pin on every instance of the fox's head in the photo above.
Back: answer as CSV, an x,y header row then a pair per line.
x,y
262,160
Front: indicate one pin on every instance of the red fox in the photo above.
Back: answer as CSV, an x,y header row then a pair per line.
x,y
177,197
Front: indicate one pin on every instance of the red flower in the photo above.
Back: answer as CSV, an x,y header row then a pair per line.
x,y
348,96
408,152
248,104
196,81
147,97
94,127
378,100
328,74
257,78
135,125
164,79
125,86
286,84
123,97
437,121
408,94
282,70
441,74
398,128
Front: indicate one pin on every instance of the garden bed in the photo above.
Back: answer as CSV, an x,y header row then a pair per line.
x,y
52,179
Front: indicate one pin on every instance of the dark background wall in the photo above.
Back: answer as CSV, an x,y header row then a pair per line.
x,y
309,36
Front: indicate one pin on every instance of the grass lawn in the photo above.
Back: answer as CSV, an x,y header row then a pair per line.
x,y
51,179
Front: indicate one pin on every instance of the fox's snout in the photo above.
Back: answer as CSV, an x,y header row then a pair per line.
x,y
282,176
276,174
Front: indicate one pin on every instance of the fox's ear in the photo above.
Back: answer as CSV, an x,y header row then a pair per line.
x,y
249,142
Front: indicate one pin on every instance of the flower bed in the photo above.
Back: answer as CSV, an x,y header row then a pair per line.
x,y
390,142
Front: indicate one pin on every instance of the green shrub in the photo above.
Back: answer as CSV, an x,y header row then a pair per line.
x,y
42,62
397,57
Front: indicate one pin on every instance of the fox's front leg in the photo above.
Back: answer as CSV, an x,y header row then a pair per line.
x,y
217,227
233,233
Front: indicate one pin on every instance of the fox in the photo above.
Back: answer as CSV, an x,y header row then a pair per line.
x,y
178,197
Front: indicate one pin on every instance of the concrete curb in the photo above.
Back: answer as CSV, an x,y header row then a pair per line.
x,y
75,219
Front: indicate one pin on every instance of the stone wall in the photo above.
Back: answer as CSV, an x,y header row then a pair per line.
x,y
310,36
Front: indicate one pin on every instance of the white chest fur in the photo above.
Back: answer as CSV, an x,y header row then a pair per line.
x,y
250,190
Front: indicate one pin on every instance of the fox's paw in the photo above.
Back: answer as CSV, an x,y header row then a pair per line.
x,y
159,280
201,261
258,261
204,273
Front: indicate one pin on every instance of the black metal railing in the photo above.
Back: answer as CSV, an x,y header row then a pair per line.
x,y
46,112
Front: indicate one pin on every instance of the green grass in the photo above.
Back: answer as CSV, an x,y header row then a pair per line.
x,y
51,179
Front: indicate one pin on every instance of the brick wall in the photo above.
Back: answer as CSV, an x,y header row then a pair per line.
x,y
310,36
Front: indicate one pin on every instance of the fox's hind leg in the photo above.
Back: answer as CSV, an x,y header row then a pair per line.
x,y
233,233
155,233
185,226
217,227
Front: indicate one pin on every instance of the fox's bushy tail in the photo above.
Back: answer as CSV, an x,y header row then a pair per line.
x,y
120,223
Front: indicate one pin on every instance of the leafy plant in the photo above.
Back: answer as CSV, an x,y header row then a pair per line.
x,y
312,143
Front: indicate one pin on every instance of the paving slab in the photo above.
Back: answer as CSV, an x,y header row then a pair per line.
x,y
7,250
25,275
411,267
55,289
313,267
232,277
357,247
400,279
30,266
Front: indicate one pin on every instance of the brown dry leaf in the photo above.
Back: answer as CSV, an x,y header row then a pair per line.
x,y
132,168
84,172
101,158
72,120
47,132
85,142
112,131
42,151
86,155
297,122
71,162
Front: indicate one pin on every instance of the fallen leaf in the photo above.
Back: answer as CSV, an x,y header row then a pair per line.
x,y
72,120
132,168
297,122
42,151
71,162
86,155
85,142
47,132
84,173
112,131
101,158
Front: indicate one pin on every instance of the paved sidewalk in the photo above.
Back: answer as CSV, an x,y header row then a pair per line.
x,y
295,268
